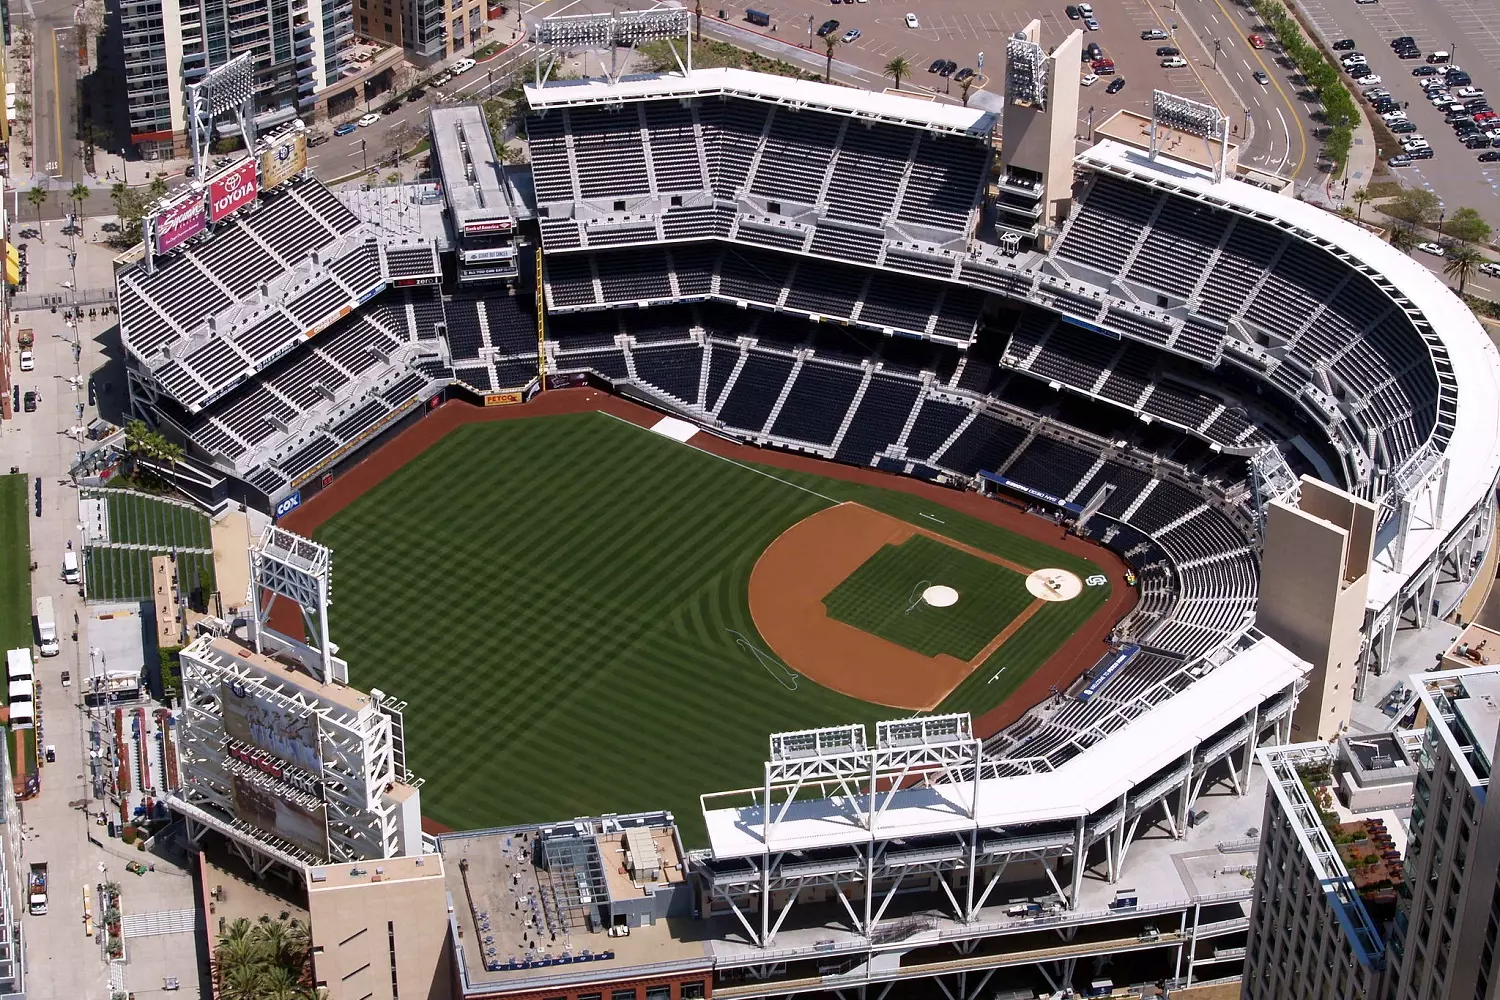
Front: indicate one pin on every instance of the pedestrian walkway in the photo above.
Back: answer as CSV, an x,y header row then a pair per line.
x,y
139,925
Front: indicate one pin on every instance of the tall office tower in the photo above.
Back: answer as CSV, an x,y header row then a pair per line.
x,y
299,49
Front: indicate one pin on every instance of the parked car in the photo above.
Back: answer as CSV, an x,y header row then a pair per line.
x,y
1491,269
1403,127
1343,45
1090,24
1088,80
912,22
949,68
937,65
1436,249
346,128
462,66
851,35
1092,51
1152,34
1115,86
963,75
368,120
1425,153
1072,12
1104,67
1399,160
28,402
1373,80
1424,71
1168,50
1478,142
827,28
1173,62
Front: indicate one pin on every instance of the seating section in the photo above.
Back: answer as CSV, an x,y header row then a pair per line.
x,y
985,445
1106,224
877,422
674,370
755,391
817,403
1052,466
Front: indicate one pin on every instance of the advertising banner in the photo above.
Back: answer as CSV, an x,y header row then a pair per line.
x,y
493,226
284,160
180,222
232,190
293,821
503,398
253,719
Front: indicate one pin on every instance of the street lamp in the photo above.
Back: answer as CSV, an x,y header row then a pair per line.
x,y
1218,47
363,156
809,30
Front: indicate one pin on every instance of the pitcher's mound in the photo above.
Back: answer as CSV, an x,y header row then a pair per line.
x,y
1054,585
940,597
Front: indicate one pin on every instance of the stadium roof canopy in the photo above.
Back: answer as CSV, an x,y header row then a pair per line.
x,y
1473,447
1089,782
765,87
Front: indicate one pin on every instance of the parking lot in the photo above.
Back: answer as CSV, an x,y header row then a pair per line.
x,y
1469,32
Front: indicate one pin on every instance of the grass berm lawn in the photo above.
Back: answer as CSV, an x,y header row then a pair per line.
x,y
15,563
559,599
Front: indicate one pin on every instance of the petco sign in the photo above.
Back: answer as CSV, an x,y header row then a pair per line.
x,y
231,190
288,505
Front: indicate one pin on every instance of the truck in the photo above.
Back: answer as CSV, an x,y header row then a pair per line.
x,y
46,627
38,887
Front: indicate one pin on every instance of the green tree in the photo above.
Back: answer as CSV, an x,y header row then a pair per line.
x,y
830,42
1337,147
268,960
1468,225
1405,238
1361,197
1461,261
36,198
1414,205
130,205
78,195
897,68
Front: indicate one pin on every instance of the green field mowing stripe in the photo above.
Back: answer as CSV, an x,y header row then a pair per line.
x,y
884,597
15,563
554,597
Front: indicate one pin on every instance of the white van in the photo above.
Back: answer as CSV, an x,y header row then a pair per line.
x,y
70,567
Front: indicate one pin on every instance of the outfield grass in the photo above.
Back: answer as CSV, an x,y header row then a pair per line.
x,y
15,563
884,597
560,600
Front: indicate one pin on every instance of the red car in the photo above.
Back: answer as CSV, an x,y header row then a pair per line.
x,y
1257,42
1486,116
1104,67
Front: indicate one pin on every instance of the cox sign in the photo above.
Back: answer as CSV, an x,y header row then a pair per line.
x,y
232,190
289,504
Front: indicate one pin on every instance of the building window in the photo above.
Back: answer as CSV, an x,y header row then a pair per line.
x,y
622,995
390,931
691,991
658,993
590,996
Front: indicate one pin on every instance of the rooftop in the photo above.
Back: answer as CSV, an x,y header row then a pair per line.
x,y
224,651
764,87
528,914
1134,129
1478,711
473,178
322,878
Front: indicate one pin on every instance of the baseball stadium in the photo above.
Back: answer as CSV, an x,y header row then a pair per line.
x,y
896,522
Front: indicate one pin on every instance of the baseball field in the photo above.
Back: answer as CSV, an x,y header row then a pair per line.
x,y
585,616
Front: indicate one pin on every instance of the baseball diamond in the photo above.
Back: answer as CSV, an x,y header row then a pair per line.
x,y
568,582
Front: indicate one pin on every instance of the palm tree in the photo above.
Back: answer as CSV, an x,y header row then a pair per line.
x,y
36,198
1460,261
1361,198
964,86
830,42
897,68
1404,238
268,960
698,19
78,195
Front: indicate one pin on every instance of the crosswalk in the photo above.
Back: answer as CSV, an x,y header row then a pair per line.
x,y
158,923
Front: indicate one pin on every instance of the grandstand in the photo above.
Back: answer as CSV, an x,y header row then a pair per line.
x,y
1189,345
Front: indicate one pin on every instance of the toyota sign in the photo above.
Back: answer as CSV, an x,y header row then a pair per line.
x,y
232,190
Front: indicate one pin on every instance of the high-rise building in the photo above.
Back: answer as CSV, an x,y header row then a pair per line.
x,y
1339,912
299,49
1446,923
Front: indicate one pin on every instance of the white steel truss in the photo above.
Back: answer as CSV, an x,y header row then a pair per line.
x,y
283,564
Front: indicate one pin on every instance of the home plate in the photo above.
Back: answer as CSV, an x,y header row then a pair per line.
x,y
940,597
1054,585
